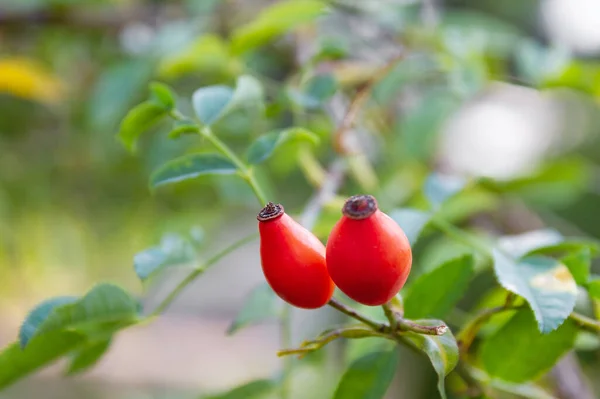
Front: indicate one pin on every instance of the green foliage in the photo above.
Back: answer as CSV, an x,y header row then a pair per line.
x,y
210,102
163,95
545,283
173,250
293,88
535,242
274,21
435,293
441,350
594,287
262,304
208,54
213,103
579,264
88,356
139,120
368,377
16,363
183,127
192,166
314,92
439,188
421,126
38,316
568,247
103,305
518,352
266,145
412,221
115,90
554,184
65,325
252,390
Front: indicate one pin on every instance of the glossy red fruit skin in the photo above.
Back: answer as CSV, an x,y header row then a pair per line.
x,y
369,259
293,262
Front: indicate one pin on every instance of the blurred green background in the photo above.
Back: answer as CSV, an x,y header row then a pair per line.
x,y
506,90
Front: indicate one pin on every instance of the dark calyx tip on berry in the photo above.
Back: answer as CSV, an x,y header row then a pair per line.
x,y
270,212
360,207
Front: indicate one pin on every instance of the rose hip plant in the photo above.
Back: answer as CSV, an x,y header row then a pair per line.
x,y
365,228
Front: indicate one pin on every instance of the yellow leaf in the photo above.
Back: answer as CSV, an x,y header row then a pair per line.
x,y
27,79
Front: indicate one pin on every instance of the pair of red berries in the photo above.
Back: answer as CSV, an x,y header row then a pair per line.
x,y
367,256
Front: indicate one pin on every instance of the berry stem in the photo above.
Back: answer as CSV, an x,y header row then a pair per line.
x,y
389,313
334,303
352,332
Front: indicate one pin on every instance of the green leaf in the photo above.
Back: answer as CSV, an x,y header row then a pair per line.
x,y
423,121
526,243
556,184
412,221
138,120
517,352
207,56
274,21
441,350
190,167
183,127
315,92
434,294
579,264
438,188
86,357
568,246
104,303
248,92
368,377
262,304
16,363
116,90
251,390
212,103
162,95
264,147
38,315
173,250
546,242
594,287
545,283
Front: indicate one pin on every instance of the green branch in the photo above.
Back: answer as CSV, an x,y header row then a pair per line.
x,y
375,325
585,322
246,173
198,271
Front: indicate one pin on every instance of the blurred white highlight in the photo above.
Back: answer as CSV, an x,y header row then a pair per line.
x,y
504,134
574,24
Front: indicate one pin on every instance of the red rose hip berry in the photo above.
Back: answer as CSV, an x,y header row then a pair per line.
x,y
293,260
368,255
